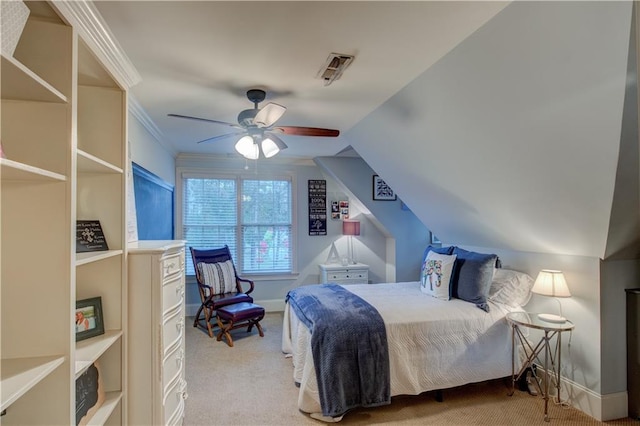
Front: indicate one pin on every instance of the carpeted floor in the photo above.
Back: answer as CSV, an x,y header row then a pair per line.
x,y
252,384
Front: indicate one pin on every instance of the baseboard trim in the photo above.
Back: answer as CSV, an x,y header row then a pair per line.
x,y
601,407
272,305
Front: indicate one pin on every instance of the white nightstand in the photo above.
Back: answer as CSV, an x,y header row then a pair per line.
x,y
356,273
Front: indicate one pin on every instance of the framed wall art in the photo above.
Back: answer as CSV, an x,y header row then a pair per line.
x,y
434,239
89,319
317,207
382,191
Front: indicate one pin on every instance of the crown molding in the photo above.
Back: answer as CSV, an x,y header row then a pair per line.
x,y
150,126
86,19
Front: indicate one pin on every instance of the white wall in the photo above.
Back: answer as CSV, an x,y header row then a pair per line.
x,y
514,143
310,250
150,153
511,140
400,225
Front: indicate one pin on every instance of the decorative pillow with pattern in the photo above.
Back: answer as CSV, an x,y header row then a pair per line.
x,y
219,276
435,276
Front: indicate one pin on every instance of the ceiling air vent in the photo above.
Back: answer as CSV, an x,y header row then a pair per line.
x,y
334,67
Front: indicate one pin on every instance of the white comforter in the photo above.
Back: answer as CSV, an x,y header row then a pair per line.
x,y
433,344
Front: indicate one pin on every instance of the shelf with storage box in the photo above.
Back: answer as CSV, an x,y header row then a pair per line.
x,y
64,137
353,273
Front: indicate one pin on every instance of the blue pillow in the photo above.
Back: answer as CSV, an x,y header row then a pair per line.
x,y
440,250
472,276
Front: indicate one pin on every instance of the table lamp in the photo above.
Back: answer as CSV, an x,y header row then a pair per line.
x,y
351,228
551,283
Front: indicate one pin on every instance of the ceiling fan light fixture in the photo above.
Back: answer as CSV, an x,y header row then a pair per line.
x,y
272,146
248,148
334,67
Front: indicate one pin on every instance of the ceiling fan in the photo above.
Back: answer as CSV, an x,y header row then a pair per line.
x,y
257,126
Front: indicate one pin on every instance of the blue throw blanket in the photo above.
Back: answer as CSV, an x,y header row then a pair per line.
x,y
349,347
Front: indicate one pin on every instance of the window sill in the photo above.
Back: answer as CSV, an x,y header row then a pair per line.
x,y
260,277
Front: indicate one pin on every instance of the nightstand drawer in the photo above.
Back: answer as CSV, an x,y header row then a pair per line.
x,y
348,275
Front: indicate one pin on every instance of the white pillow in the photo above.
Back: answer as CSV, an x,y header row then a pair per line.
x,y
220,276
511,288
435,275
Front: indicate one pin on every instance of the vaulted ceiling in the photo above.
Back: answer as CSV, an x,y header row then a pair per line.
x,y
506,125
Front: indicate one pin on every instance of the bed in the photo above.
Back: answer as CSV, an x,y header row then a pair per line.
x,y
432,343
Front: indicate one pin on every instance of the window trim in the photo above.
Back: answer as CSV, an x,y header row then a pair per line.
x,y
196,173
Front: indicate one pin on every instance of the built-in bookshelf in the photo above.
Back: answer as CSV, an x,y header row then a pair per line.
x,y
64,135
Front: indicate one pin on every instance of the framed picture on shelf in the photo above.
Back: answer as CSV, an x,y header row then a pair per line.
x,y
89,319
89,236
382,191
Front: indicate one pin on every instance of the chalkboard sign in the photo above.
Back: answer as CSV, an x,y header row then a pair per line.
x,y
90,394
89,236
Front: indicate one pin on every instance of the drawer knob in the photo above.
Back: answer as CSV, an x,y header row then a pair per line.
x,y
182,392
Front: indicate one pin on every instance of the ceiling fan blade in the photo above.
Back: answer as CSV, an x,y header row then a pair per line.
x,y
307,131
208,120
268,114
215,138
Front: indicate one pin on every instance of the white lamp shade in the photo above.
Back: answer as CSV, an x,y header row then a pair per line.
x,y
272,145
551,283
247,148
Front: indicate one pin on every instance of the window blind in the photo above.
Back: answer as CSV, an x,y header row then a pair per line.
x,y
252,216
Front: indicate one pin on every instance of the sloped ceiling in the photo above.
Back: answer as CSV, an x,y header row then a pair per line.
x,y
511,140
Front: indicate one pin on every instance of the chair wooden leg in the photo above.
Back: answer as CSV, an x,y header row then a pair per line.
x,y
224,331
195,321
259,327
207,318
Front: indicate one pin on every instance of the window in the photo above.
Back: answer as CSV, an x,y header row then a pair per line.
x,y
253,216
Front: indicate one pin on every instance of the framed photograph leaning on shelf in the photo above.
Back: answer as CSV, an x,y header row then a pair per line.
x,y
89,236
89,320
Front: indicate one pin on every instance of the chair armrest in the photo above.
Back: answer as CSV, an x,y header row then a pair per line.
x,y
206,290
244,280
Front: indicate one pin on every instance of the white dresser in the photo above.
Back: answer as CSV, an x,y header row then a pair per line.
x,y
156,354
357,273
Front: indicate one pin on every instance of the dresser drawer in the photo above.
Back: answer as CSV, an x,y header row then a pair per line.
x,y
172,264
172,329
173,402
172,366
172,293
